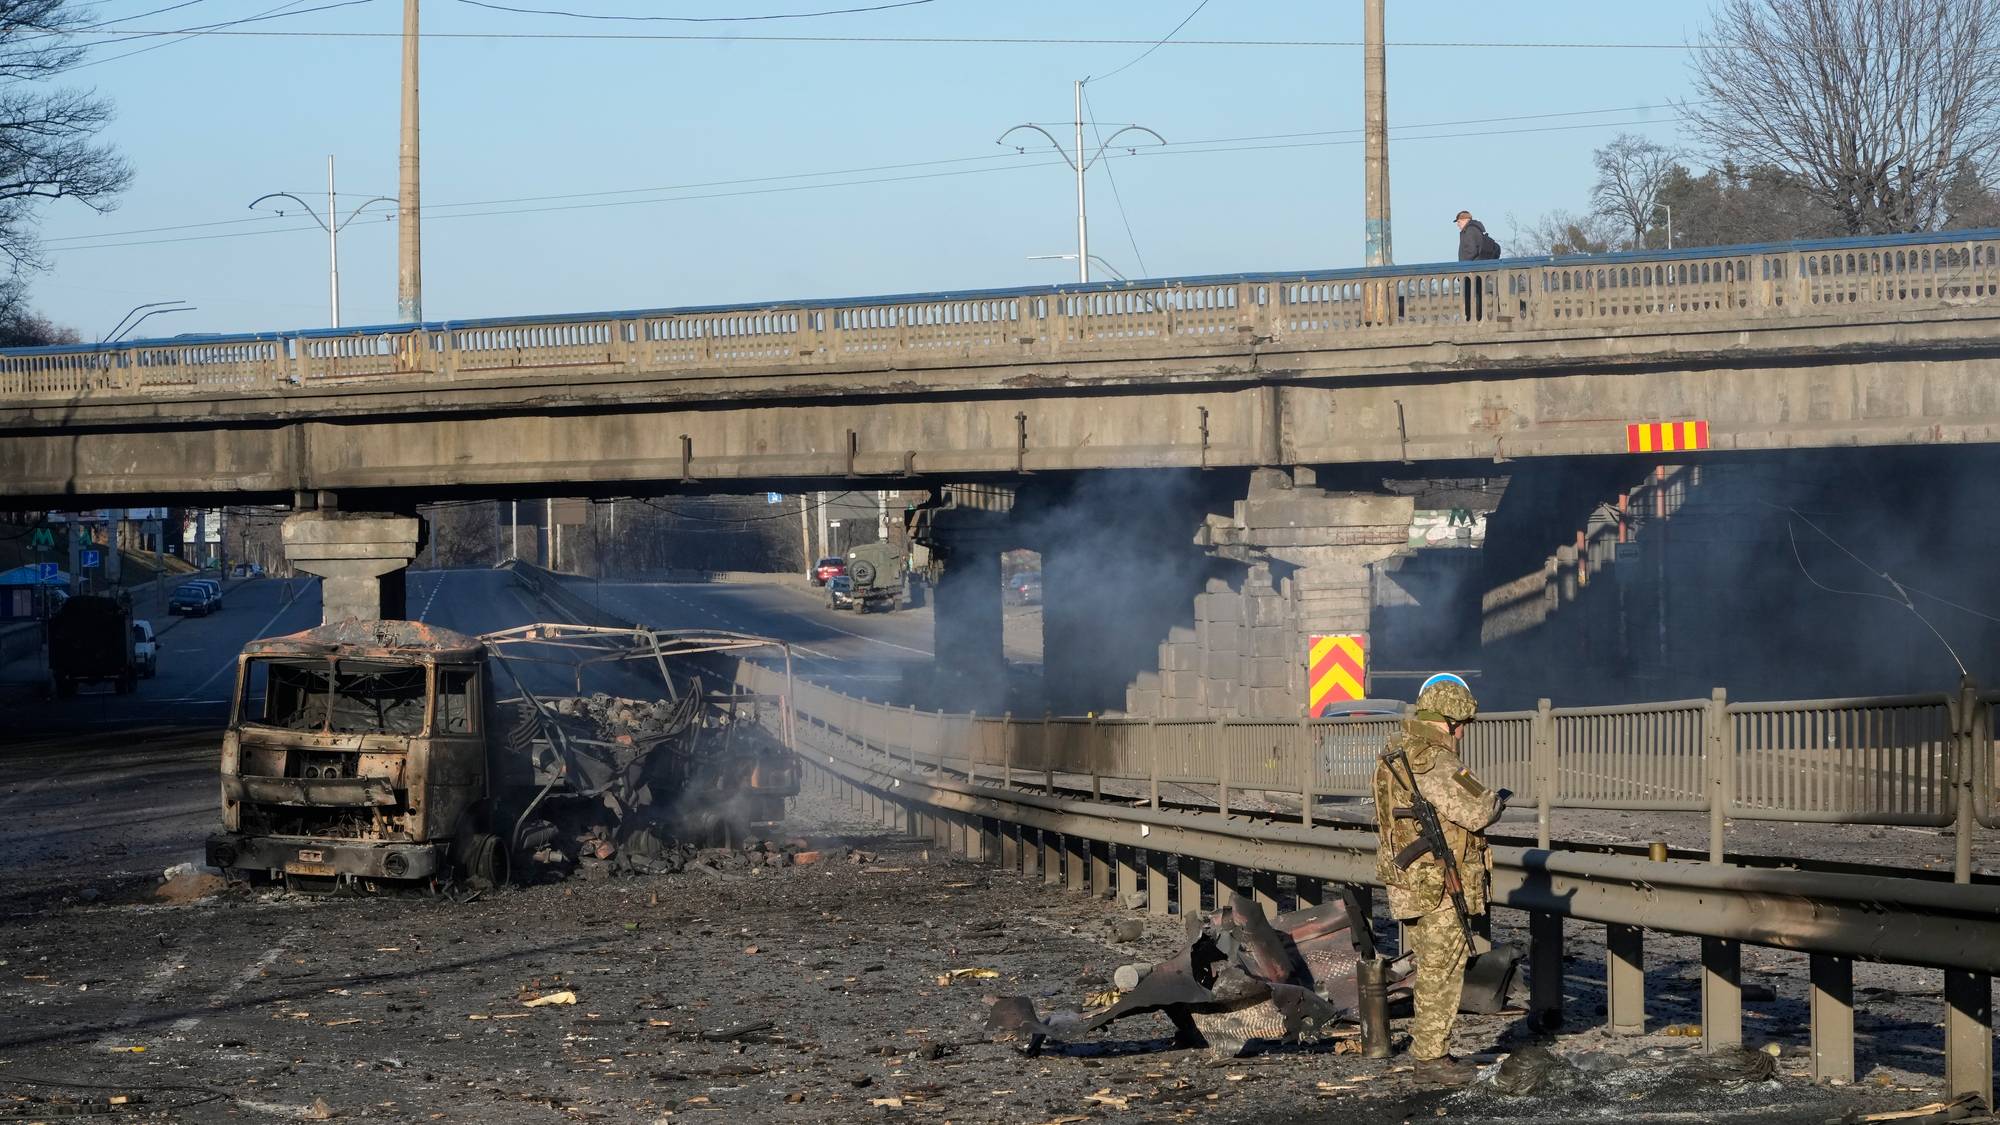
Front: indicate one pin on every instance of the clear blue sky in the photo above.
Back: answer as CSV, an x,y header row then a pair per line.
x,y
209,123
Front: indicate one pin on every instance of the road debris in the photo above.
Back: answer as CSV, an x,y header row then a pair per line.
x,y
563,997
1240,978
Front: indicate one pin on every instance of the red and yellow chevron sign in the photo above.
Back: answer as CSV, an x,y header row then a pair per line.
x,y
1665,437
1337,670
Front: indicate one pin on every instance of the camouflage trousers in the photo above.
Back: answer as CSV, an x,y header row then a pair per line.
x,y
1439,944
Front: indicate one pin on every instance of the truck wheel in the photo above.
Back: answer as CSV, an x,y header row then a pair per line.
x,y
485,864
863,572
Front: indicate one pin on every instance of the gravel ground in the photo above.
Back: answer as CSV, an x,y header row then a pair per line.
x,y
799,994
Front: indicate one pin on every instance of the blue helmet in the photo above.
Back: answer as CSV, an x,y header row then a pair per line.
x,y
1447,697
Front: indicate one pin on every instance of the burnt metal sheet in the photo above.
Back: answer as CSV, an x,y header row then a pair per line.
x,y
370,639
1241,976
318,792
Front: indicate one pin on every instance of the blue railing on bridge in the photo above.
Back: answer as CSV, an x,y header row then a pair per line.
x,y
1306,309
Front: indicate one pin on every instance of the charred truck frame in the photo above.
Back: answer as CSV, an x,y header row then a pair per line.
x,y
382,751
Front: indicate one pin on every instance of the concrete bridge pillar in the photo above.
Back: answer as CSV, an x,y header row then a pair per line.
x,y
1319,548
352,553
966,623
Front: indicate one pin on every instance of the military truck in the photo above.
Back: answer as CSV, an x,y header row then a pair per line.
x,y
90,641
876,570
392,752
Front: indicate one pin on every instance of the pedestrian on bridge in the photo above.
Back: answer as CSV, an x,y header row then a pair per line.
x,y
1474,245
1417,878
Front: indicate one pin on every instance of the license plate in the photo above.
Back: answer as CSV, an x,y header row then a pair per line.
x,y
309,869
311,855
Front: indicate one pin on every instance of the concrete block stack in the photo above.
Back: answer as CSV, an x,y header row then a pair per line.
x,y
1306,556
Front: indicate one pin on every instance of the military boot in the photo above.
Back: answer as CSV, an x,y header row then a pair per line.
x,y
1443,1071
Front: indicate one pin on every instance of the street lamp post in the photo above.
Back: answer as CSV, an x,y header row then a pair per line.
x,y
127,323
1080,164
1670,222
332,225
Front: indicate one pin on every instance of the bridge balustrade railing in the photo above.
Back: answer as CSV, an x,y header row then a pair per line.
x,y
1874,761
1476,299
1915,760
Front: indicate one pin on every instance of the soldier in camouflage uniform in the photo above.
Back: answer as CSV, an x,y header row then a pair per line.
x,y
1416,893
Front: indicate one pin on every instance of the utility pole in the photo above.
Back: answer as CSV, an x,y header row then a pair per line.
x,y
549,532
1376,92
823,544
409,240
805,536
1080,164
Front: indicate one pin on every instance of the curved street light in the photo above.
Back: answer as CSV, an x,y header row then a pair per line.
x,y
332,225
1079,164
153,308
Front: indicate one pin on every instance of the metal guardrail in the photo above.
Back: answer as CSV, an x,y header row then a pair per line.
x,y
1471,300
1165,860
1905,760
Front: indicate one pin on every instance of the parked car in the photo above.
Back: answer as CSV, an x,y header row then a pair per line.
x,y
1025,588
145,649
190,599
830,567
839,592
214,592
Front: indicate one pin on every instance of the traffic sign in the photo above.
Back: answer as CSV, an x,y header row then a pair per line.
x,y
93,558
773,497
46,572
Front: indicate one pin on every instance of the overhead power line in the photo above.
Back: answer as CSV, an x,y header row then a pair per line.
x,y
1141,56
438,210
691,19
934,40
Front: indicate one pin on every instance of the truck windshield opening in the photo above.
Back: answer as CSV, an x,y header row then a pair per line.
x,y
343,697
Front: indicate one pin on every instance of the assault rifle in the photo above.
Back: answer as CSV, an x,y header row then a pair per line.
x,y
1490,974
1430,839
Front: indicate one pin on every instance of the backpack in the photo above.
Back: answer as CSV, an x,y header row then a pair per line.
x,y
1488,248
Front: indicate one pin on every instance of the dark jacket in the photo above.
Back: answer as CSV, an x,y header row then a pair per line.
x,y
1472,241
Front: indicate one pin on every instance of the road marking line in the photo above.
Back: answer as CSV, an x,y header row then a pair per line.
x,y
231,662
249,973
436,585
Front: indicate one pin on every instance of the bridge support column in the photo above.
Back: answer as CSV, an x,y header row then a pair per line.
x,y
1312,552
353,553
971,665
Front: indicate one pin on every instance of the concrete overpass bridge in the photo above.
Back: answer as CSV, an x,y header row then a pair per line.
x,y
1857,342
1264,388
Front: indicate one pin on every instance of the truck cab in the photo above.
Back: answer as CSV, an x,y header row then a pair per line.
x,y
355,751
381,753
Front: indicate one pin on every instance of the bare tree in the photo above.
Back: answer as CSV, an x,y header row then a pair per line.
x,y
1872,104
21,326
47,133
1562,233
1630,172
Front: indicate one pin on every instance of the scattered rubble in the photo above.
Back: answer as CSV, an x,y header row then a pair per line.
x,y
186,882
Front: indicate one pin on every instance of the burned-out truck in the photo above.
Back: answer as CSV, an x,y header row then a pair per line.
x,y
385,752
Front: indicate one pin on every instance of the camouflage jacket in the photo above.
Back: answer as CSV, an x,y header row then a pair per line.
x,y
1464,805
